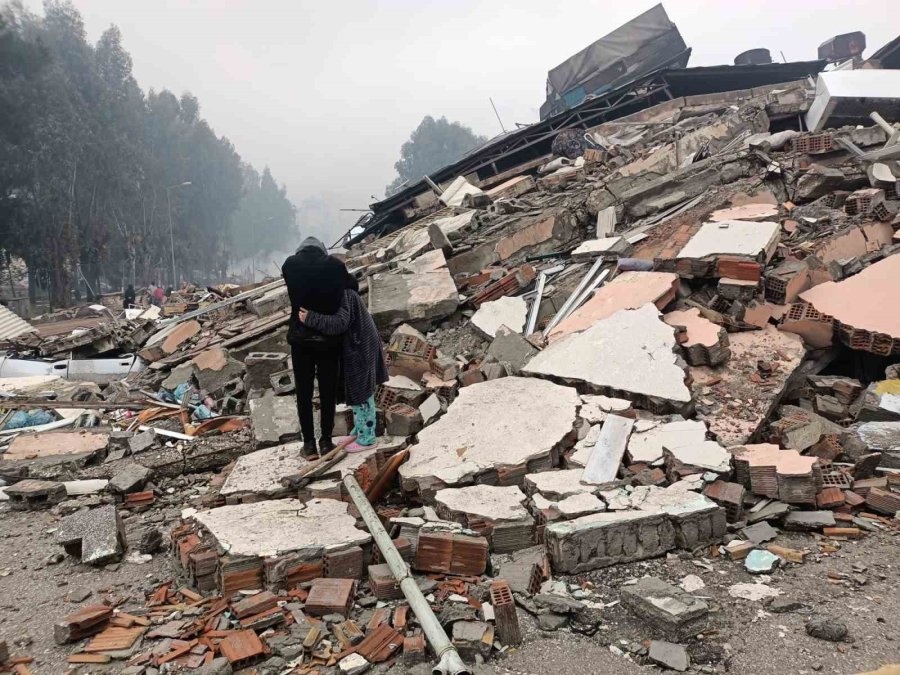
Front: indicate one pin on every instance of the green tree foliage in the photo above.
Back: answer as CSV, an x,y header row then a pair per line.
x,y
433,145
89,165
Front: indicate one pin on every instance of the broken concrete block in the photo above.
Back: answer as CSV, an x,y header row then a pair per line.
x,y
502,425
403,420
473,638
486,502
96,536
696,520
260,368
648,439
422,290
734,239
276,527
669,655
130,478
30,494
557,485
167,341
734,419
282,382
214,368
269,302
808,521
607,247
353,664
509,311
706,343
759,533
883,437
274,419
603,539
511,349
631,355
707,456
668,610
260,473
818,181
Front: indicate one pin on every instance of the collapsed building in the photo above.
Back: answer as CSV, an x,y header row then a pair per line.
x,y
688,329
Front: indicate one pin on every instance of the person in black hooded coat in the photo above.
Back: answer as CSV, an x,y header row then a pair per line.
x,y
316,281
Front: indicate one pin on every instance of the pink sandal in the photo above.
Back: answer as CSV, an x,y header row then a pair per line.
x,y
356,447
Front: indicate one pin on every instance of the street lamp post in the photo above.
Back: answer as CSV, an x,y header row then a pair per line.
x,y
171,235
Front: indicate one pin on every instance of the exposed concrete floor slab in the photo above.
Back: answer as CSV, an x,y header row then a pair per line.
x,y
631,355
730,400
485,501
501,423
509,311
732,237
280,526
629,290
29,445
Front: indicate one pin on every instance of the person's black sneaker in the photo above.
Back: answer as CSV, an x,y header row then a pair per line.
x,y
325,445
309,449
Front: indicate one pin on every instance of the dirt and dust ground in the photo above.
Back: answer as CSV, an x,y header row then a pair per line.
x,y
743,637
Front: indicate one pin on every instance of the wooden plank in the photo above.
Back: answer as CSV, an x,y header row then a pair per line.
x,y
603,464
89,658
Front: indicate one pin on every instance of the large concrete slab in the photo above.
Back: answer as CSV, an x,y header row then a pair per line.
x,y
739,238
629,290
275,527
496,425
420,290
736,398
631,354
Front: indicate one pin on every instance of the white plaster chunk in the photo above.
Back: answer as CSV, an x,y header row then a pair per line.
x,y
275,527
732,237
707,455
632,352
598,246
579,505
595,408
507,311
402,382
673,502
582,450
486,501
541,502
557,484
646,445
261,472
500,423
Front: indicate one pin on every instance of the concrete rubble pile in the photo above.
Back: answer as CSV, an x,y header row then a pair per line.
x,y
685,342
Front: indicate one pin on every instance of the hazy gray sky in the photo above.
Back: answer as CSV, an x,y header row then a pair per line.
x,y
326,92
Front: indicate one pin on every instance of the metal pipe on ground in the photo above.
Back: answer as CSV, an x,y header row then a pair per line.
x,y
449,661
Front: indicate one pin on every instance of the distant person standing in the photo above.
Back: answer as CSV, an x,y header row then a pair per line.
x,y
151,293
160,296
315,281
128,297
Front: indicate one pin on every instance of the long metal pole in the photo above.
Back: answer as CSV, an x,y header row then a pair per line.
x,y
449,662
171,235
565,308
536,304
